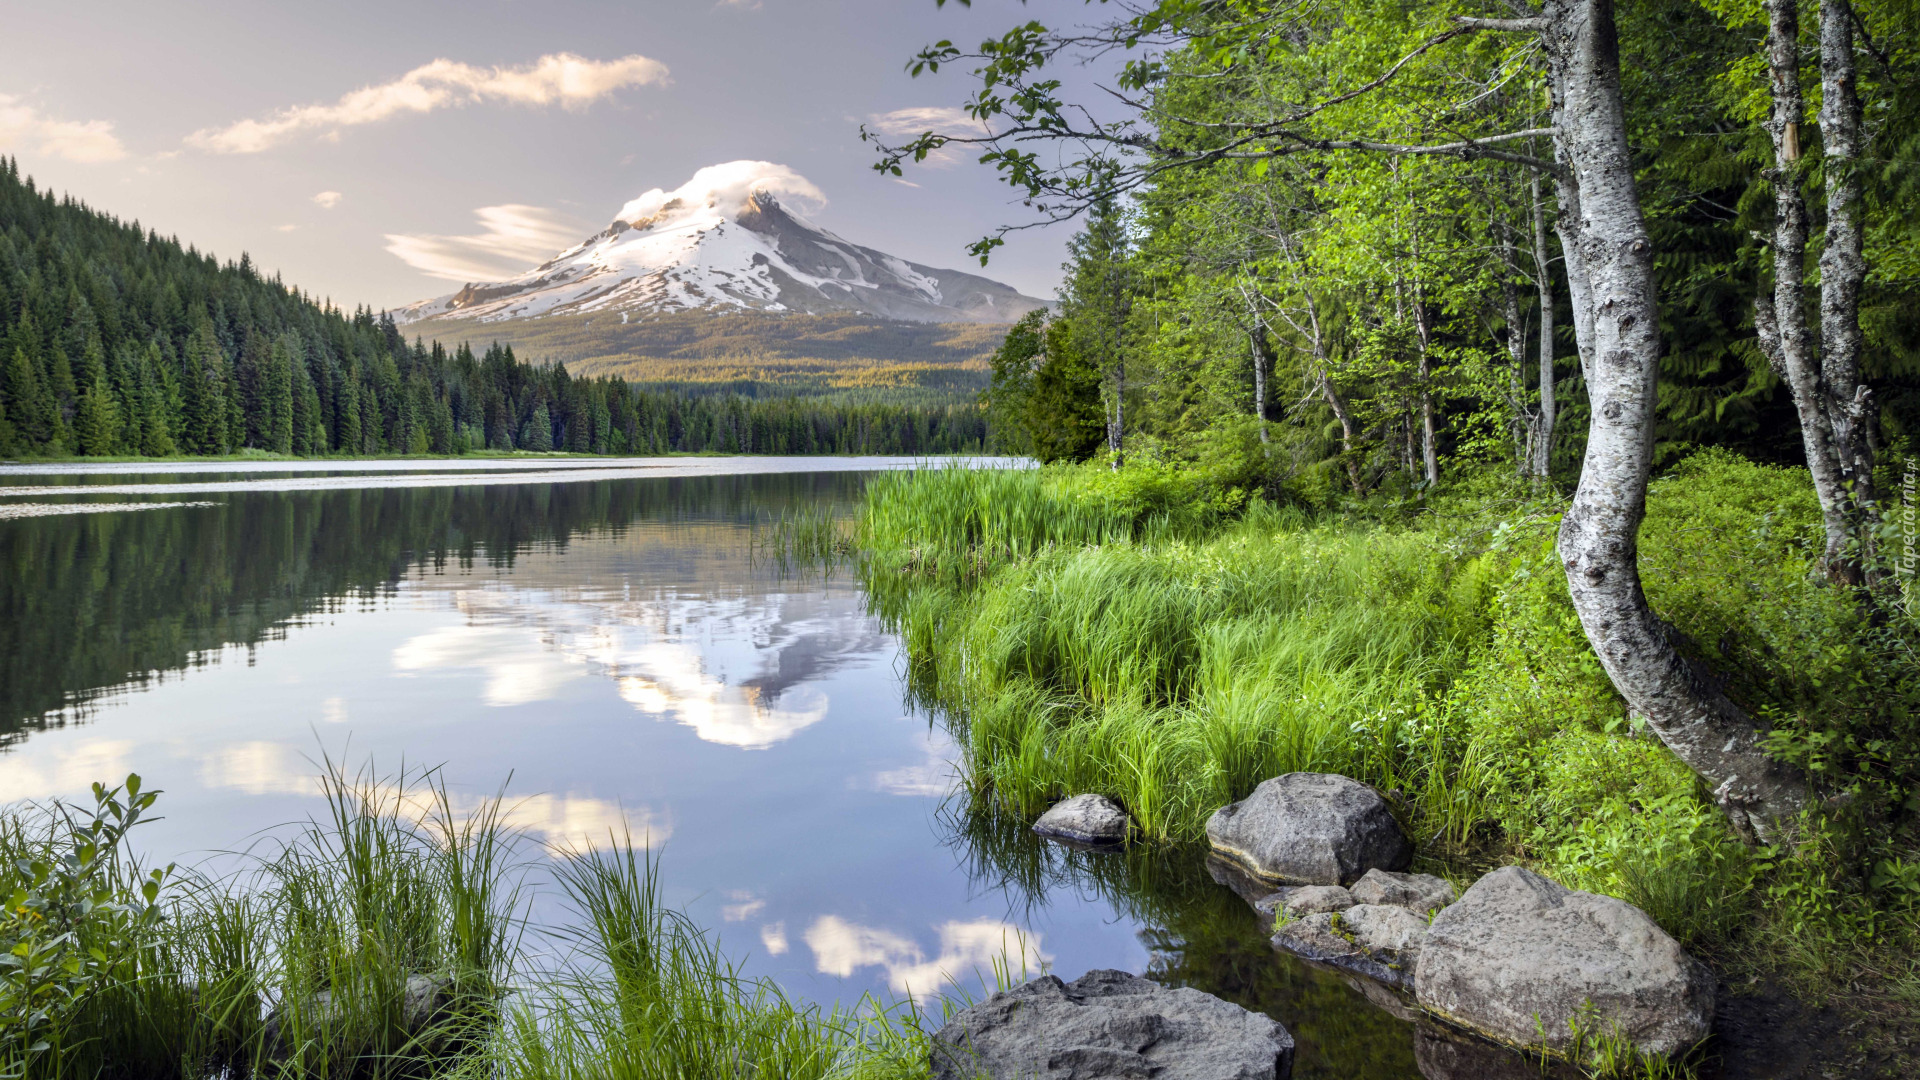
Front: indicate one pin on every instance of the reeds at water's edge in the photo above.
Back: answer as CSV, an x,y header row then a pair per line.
x,y
385,940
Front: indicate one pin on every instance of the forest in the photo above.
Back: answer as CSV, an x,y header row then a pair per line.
x,y
1510,407
116,342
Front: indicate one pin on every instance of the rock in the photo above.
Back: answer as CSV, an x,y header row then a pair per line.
x,y
423,1002
1379,941
1387,928
1314,899
1442,1054
1109,1024
1085,819
1249,888
1517,947
1310,829
1420,893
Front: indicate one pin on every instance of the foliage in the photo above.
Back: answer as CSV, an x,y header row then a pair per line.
x,y
1172,659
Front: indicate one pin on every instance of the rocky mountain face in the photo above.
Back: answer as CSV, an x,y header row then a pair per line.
x,y
719,253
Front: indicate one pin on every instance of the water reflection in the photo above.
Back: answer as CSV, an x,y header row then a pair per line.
x,y
967,951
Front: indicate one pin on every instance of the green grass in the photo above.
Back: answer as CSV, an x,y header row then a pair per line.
x,y
1147,636
302,965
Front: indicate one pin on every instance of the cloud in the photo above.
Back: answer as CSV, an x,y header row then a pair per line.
x,y
519,671
66,772
327,200
84,141
285,228
934,775
966,949
727,187
562,822
747,906
737,5
572,82
939,119
512,238
774,937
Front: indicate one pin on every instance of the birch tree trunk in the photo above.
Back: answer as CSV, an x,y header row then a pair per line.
x,y
1781,321
1843,270
1523,426
1543,284
1259,380
1611,276
1429,452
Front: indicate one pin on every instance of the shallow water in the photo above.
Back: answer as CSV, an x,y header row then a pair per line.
x,y
608,641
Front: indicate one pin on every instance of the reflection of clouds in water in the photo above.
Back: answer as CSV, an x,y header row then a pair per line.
x,y
736,669
518,670
63,771
934,776
966,948
774,937
746,906
719,713
562,822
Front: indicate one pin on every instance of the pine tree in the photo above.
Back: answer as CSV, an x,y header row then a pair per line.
x,y
539,430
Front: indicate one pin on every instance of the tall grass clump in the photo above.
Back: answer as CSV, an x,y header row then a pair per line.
x,y
809,537
648,995
1162,655
376,943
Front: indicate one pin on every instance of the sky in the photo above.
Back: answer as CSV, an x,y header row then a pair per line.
x,y
381,153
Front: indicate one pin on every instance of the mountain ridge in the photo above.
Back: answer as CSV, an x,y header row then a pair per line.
x,y
726,241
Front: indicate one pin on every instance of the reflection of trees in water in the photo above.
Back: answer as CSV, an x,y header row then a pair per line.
x,y
1198,932
91,603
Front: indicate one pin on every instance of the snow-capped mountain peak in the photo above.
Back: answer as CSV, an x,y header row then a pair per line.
x,y
732,237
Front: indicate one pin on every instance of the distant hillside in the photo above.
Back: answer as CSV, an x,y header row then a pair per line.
x,y
753,352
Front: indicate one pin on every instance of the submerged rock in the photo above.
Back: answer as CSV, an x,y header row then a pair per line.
x,y
1519,957
1085,819
1109,1024
1381,942
1310,829
1422,894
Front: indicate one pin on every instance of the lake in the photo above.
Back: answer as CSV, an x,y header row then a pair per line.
x,y
600,637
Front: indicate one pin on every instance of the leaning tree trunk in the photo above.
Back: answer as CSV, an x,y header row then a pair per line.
x,y
1616,315
1843,270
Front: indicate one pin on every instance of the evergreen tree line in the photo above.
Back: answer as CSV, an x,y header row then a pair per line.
x,y
115,341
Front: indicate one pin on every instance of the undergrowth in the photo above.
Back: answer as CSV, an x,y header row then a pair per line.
x,y
1141,634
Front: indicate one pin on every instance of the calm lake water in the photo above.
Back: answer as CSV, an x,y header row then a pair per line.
x,y
600,633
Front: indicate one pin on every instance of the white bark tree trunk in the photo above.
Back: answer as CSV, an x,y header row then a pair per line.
x,y
1843,270
1616,316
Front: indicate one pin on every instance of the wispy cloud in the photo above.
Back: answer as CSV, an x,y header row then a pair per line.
x,y
327,200
22,126
512,238
939,119
563,79
737,5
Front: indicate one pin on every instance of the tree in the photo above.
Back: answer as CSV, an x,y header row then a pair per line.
x,y
539,431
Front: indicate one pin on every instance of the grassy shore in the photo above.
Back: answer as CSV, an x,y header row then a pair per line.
x,y
1145,635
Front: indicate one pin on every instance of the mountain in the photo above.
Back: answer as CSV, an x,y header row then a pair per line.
x,y
728,240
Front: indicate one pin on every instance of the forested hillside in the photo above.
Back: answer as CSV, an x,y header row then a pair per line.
x,y
116,341
849,357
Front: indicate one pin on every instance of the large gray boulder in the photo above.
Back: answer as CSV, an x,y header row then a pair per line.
x,y
1310,829
1519,953
1085,819
1109,1025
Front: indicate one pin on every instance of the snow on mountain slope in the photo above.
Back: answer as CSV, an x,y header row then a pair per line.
x,y
729,238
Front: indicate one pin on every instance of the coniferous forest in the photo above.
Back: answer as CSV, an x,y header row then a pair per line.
x,y
115,341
